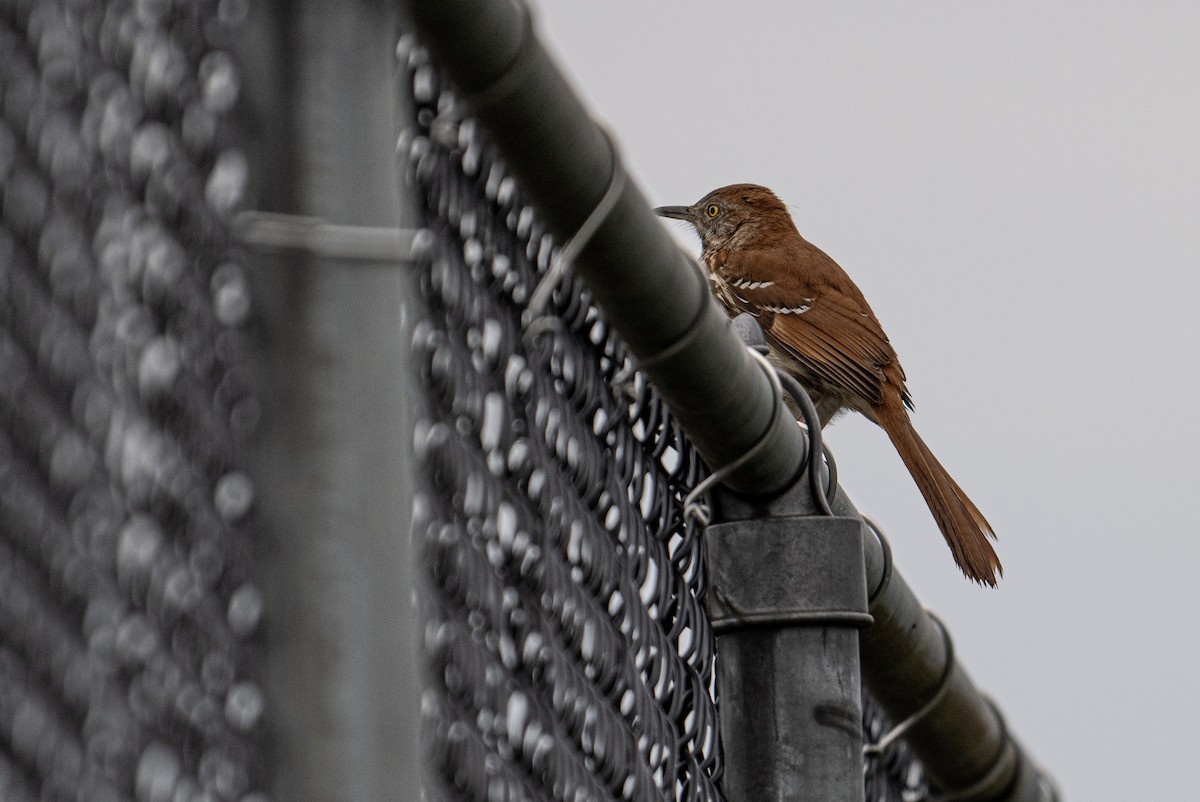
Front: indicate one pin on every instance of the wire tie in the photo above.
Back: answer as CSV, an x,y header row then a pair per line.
x,y
270,231
888,566
691,332
624,383
898,731
565,256
972,790
700,511
823,496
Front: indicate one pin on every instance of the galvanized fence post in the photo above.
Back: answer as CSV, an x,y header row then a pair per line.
x,y
787,600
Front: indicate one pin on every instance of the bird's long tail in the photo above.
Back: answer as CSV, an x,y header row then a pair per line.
x,y
962,524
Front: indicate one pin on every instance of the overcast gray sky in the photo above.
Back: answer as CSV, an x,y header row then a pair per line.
x,y
1016,189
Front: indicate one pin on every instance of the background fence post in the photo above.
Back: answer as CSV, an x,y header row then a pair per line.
x,y
335,453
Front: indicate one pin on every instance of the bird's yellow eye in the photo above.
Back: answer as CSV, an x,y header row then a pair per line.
x,y
713,210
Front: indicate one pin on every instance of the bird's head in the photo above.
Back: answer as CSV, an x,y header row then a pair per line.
x,y
732,215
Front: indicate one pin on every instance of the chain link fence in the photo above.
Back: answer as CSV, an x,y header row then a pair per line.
x,y
568,652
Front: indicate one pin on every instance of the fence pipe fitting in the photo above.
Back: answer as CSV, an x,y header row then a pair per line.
x,y
787,600
565,163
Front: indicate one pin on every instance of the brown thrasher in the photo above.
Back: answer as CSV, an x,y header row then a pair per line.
x,y
822,331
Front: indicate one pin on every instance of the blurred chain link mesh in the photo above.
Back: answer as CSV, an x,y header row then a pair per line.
x,y
570,655
127,620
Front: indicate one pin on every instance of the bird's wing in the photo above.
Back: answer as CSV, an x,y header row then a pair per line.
x,y
811,310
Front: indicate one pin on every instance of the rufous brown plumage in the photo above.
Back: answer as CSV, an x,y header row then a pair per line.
x,y
822,331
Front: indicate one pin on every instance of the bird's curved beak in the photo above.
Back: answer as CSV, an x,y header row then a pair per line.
x,y
676,212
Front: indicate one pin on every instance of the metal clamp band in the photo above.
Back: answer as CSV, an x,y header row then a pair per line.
x,y
813,618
